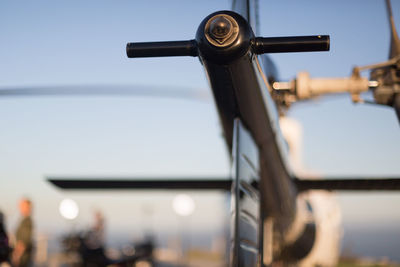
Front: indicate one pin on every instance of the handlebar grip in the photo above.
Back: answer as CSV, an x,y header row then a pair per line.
x,y
312,43
162,49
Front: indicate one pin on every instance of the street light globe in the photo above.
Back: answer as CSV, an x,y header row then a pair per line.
x,y
68,209
183,205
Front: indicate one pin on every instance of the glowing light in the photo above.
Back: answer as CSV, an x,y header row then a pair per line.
x,y
183,205
68,209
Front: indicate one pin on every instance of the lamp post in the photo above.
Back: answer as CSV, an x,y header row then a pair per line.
x,y
184,206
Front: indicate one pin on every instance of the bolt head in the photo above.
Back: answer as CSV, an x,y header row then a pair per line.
x,y
221,30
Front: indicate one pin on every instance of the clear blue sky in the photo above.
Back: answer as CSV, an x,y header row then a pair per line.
x,y
75,43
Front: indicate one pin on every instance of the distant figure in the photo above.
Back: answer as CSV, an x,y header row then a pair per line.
x,y
22,254
4,245
95,236
99,226
92,250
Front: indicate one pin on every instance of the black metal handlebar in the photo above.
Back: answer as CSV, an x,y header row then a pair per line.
x,y
259,45
162,49
263,45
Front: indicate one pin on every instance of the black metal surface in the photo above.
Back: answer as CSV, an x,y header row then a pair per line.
x,y
241,94
224,55
351,184
148,183
239,91
302,246
162,49
315,43
246,219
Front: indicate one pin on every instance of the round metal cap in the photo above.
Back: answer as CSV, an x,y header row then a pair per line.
x,y
221,30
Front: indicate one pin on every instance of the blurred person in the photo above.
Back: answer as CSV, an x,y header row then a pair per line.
x,y
98,227
22,254
4,244
93,251
95,236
